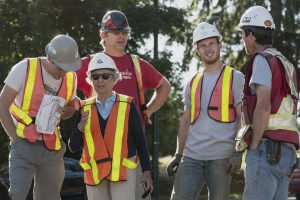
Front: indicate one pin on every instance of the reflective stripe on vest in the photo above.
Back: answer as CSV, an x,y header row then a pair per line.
x,y
21,114
70,86
195,95
226,87
90,143
32,97
129,163
138,75
284,118
289,69
220,107
115,172
27,94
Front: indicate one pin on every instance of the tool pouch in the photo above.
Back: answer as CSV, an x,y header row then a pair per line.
x,y
273,151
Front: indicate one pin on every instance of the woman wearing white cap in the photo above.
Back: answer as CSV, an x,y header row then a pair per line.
x,y
109,129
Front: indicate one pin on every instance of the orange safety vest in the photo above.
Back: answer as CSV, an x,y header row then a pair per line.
x,y
33,94
221,102
138,74
106,157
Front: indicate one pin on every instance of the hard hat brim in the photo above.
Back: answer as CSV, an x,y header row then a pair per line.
x,y
70,66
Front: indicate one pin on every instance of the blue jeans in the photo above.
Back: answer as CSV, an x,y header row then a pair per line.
x,y
264,181
193,174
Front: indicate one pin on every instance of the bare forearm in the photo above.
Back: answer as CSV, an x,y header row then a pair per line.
x,y
159,97
261,114
7,97
181,139
7,123
183,131
239,114
260,122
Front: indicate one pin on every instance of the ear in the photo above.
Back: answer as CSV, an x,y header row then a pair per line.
x,y
49,59
252,36
220,45
102,34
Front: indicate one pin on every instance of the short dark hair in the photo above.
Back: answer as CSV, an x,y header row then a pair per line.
x,y
264,36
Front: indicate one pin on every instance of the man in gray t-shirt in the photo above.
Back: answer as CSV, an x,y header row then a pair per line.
x,y
208,126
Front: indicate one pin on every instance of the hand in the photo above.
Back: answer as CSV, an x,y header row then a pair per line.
x,y
147,119
77,103
82,123
146,178
173,165
234,162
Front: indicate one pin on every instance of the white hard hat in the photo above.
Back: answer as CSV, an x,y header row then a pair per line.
x,y
256,16
63,51
101,61
205,30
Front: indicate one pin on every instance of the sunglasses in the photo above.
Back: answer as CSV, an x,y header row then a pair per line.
x,y
104,76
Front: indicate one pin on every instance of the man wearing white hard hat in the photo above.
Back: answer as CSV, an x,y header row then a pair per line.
x,y
35,96
270,99
109,130
207,128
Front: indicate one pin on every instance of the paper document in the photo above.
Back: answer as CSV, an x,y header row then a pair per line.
x,y
49,114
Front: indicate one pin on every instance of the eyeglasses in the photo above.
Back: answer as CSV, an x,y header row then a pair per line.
x,y
104,76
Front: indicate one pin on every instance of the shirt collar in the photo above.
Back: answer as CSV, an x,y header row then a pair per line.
x,y
112,98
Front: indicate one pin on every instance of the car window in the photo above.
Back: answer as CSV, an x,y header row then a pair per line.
x,y
74,167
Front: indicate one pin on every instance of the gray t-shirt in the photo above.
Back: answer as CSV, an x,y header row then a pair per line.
x,y
209,139
261,73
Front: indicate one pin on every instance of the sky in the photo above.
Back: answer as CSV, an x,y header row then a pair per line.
x,y
176,49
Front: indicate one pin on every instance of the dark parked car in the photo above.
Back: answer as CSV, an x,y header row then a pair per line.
x,y
73,185
294,186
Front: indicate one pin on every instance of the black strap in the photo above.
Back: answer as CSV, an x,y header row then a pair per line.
x,y
103,160
216,107
33,121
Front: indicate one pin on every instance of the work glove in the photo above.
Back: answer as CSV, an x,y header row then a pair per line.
x,y
234,162
173,165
